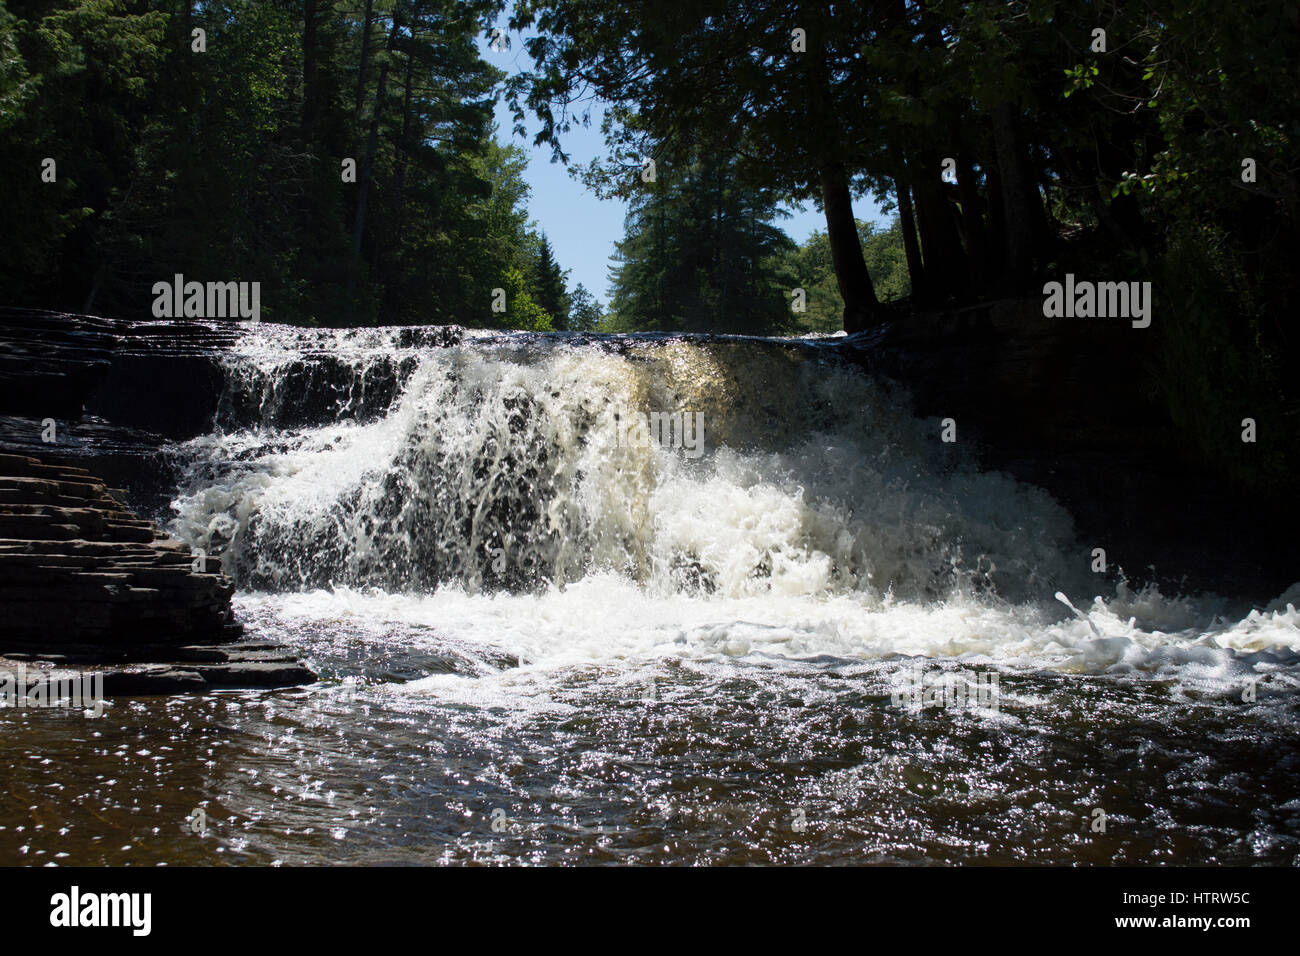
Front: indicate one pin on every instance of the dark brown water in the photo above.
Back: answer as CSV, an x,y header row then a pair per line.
x,y
722,762
544,642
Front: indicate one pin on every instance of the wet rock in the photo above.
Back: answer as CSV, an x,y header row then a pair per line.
x,y
226,669
153,681
256,674
1065,405
84,580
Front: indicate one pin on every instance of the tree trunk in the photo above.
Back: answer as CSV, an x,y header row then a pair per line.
x,y
1022,208
365,60
372,143
972,215
310,84
860,304
907,222
399,186
100,272
940,244
997,231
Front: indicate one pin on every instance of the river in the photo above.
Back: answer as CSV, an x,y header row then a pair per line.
x,y
823,636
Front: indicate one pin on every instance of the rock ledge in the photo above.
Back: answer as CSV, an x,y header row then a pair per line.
x,y
83,580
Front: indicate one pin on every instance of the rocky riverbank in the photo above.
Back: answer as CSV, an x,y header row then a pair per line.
x,y
85,581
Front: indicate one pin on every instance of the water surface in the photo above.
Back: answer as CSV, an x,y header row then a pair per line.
x,y
542,642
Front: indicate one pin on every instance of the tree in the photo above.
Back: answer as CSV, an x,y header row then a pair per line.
x,y
719,78
522,312
231,164
700,254
551,293
54,60
811,266
585,313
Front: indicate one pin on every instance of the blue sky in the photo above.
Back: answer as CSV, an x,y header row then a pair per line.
x,y
582,228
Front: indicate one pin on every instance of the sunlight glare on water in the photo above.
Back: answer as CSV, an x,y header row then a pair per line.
x,y
624,654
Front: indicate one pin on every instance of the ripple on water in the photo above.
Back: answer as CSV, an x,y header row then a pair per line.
x,y
420,739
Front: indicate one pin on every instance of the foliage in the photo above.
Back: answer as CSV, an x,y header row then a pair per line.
x,y
701,255
586,313
228,164
1129,156
810,264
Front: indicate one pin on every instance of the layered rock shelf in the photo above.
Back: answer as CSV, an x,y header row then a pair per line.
x,y
83,580
1061,404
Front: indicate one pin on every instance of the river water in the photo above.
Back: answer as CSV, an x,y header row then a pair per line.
x,y
818,636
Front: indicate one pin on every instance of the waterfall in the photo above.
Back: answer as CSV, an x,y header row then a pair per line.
x,y
654,597
534,494
383,458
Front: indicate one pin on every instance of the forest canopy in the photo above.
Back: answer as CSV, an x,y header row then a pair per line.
x,y
342,153
339,152
1018,142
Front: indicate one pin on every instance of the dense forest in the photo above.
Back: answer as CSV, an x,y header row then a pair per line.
x,y
1015,139
340,153
343,154
702,254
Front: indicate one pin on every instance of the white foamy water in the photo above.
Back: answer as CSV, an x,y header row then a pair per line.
x,y
607,620
492,496
639,656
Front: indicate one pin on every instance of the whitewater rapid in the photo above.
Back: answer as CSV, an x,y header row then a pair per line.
x,y
541,641
483,489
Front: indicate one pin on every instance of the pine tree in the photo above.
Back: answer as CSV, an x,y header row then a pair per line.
x,y
551,293
701,254
585,312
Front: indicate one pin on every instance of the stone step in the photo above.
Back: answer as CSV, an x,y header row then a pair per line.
x,y
81,577
163,548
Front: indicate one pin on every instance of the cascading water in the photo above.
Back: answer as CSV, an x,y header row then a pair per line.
x,y
635,652
514,464
509,468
